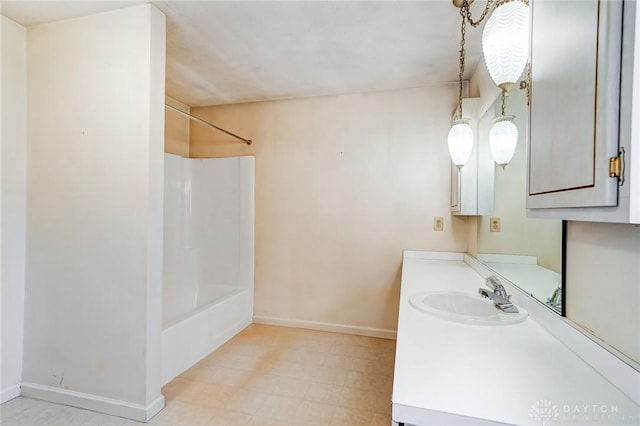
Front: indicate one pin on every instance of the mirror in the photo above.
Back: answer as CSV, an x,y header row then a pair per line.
x,y
527,252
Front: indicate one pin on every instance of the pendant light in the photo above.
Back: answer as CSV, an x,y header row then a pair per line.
x,y
503,137
460,138
505,45
505,42
460,141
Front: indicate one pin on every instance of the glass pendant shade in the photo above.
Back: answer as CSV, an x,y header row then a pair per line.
x,y
460,141
503,139
505,42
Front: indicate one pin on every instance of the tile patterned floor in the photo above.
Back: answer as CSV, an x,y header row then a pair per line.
x,y
264,376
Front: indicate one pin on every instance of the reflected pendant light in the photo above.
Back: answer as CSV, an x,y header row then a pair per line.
x,y
460,138
503,137
505,42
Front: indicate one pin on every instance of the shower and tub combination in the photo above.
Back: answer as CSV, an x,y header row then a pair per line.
x,y
208,256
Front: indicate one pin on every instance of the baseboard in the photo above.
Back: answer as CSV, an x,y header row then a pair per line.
x,y
323,326
9,393
113,407
154,408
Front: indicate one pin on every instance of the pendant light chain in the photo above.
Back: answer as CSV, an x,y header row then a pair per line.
x,y
503,103
467,14
463,9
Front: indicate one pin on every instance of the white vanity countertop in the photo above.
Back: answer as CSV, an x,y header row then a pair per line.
x,y
445,370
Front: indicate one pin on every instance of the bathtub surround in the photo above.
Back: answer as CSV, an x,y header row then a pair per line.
x,y
208,256
95,99
344,184
13,154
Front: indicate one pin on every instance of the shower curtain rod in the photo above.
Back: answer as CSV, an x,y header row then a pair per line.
x,y
206,123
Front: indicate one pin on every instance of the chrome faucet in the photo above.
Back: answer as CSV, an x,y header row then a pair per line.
x,y
555,301
499,295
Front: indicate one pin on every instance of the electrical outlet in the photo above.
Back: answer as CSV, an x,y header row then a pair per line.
x,y
438,223
494,224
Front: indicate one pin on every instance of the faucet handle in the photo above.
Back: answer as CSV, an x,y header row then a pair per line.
x,y
493,283
497,287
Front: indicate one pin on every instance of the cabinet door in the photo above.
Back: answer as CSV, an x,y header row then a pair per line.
x,y
575,99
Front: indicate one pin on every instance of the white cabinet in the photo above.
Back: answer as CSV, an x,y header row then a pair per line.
x,y
472,186
584,109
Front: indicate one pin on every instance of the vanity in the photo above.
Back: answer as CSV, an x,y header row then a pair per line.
x,y
576,161
533,371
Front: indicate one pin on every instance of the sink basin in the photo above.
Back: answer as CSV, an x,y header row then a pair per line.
x,y
465,308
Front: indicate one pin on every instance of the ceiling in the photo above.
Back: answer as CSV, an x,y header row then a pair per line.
x,y
224,52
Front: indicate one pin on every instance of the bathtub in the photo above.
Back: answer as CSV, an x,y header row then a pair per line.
x,y
189,338
208,266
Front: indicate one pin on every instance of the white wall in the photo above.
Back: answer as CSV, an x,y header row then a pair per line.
x,y
603,282
94,211
13,153
343,185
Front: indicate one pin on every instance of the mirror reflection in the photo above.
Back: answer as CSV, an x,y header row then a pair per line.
x,y
527,252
